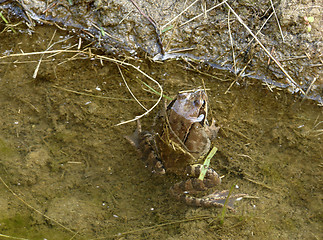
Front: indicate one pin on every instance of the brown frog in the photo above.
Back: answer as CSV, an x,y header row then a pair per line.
x,y
182,138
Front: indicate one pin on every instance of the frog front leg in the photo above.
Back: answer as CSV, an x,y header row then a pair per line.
x,y
182,190
144,142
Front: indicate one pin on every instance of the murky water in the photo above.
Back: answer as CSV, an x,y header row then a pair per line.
x,y
66,169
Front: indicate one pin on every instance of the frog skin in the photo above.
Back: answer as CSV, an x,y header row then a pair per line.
x,y
181,138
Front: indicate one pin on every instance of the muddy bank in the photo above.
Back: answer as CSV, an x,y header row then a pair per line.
x,y
202,32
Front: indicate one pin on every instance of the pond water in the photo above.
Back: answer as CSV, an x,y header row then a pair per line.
x,y
67,171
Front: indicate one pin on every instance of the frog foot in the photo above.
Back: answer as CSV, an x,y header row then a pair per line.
x,y
194,185
182,190
216,199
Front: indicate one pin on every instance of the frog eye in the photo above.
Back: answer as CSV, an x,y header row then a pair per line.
x,y
197,103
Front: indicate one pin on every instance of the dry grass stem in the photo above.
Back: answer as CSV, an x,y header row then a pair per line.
x,y
134,97
37,53
251,41
41,57
11,237
248,177
228,89
237,133
293,58
240,74
210,9
24,62
267,52
280,29
34,209
58,26
245,155
171,37
101,30
314,131
182,50
204,8
231,41
126,16
79,44
92,95
244,68
143,73
310,86
180,14
161,225
70,47
194,69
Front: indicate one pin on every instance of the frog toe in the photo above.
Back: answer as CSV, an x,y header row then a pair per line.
x,y
222,198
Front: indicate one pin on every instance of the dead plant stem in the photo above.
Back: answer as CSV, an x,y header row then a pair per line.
x,y
265,49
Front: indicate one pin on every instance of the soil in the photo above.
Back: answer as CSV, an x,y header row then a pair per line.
x,y
200,31
67,171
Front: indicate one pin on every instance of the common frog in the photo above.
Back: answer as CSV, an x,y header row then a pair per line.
x,y
181,138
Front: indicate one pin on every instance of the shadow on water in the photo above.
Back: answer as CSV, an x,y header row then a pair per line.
x,y
67,170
